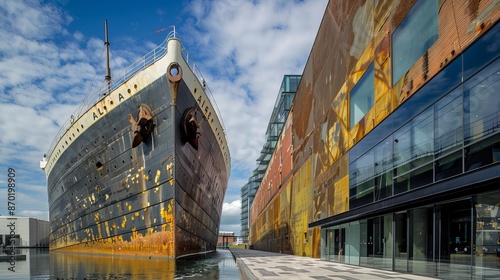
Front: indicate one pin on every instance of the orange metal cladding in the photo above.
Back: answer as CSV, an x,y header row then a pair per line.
x,y
275,223
352,35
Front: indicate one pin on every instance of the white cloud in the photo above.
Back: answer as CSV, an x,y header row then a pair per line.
x,y
246,48
24,126
231,214
242,47
32,19
41,215
79,36
33,76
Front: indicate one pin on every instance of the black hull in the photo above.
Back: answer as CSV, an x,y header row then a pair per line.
x,y
161,198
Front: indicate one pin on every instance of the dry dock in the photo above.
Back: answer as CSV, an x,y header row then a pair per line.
x,y
254,264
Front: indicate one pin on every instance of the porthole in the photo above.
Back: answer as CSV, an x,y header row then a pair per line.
x,y
174,72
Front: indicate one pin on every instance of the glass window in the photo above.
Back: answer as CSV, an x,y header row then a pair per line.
x,y
482,153
481,103
413,143
483,51
402,147
361,180
487,229
362,96
449,165
414,35
448,122
416,178
423,138
383,169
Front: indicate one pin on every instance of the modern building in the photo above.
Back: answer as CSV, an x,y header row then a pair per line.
x,y
280,113
395,142
26,232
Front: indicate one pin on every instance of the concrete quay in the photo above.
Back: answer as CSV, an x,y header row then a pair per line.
x,y
254,264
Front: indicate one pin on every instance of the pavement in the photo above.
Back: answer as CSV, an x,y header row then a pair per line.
x,y
254,264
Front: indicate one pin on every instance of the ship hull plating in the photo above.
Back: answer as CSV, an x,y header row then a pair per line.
x,y
161,198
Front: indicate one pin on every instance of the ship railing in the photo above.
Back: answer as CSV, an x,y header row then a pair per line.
x,y
210,96
140,64
91,99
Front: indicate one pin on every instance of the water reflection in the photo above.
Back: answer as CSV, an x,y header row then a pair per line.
x,y
40,264
85,266
35,266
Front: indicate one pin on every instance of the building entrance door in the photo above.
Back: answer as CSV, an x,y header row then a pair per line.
x,y
455,235
337,244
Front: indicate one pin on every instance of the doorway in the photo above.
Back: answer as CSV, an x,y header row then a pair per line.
x,y
455,239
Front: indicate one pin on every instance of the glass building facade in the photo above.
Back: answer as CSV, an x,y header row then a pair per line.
x,y
280,112
392,144
424,193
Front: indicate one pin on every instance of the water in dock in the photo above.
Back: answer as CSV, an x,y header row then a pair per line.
x,y
41,265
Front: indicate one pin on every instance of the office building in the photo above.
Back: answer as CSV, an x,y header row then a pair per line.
x,y
395,142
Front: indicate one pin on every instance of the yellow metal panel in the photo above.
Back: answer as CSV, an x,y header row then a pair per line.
x,y
341,196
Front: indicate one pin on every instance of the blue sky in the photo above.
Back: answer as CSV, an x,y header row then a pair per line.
x,y
52,56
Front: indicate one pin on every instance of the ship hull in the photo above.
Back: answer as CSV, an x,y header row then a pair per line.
x,y
161,198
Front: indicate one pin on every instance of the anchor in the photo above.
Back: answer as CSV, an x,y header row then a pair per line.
x,y
143,127
190,130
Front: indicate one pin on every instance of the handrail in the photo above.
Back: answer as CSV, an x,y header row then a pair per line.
x,y
210,96
140,64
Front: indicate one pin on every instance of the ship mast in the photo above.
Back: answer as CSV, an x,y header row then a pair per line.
x,y
106,43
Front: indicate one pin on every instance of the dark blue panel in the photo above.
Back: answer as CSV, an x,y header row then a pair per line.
x,y
485,50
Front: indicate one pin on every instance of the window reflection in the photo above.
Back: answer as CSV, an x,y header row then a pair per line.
x,y
362,96
483,51
448,122
458,132
482,104
413,143
383,169
361,180
414,36
448,166
488,229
